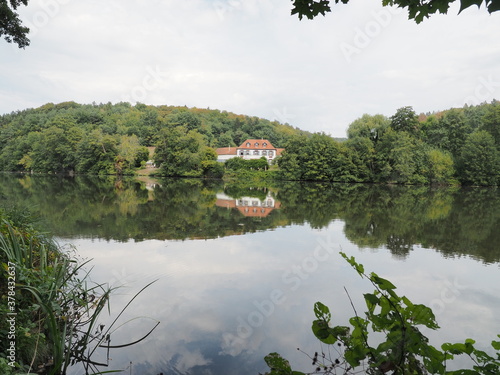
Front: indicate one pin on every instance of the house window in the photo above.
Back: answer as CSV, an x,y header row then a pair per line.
x,y
264,144
256,144
270,153
241,152
248,144
256,152
247,152
264,152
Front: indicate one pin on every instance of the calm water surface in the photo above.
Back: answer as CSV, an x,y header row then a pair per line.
x,y
238,268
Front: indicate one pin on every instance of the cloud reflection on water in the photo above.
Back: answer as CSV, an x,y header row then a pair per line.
x,y
207,289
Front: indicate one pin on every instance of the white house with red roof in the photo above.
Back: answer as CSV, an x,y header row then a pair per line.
x,y
250,149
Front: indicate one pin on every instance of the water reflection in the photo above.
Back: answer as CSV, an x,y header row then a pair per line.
x,y
226,303
234,285
249,206
454,221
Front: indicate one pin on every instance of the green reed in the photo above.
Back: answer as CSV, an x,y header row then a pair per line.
x,y
58,307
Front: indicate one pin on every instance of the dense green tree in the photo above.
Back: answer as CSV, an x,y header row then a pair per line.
x,y
398,158
361,153
457,129
11,27
130,154
183,152
97,153
433,133
226,140
315,158
491,122
405,119
119,121
439,167
187,119
479,162
50,151
368,126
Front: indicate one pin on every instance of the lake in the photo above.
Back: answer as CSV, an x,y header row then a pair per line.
x,y
238,267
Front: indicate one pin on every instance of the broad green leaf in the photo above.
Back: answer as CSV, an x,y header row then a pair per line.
x,y
493,6
458,348
421,314
322,311
495,345
355,355
382,283
407,302
323,332
464,4
371,300
277,362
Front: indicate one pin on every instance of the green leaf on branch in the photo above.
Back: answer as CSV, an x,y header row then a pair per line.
x,y
493,6
371,301
322,312
382,283
464,4
421,314
310,8
358,267
495,345
459,348
278,364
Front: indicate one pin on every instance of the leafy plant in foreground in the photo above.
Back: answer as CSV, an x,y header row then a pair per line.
x,y
404,350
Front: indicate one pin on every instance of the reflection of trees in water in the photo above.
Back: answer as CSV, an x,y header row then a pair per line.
x,y
400,247
451,220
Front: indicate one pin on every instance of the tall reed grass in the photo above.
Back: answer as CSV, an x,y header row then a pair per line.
x,y
57,305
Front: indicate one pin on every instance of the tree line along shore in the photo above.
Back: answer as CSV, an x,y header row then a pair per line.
x,y
455,146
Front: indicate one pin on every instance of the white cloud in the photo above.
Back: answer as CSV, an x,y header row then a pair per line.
x,y
251,57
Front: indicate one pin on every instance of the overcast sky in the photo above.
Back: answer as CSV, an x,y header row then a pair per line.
x,y
252,57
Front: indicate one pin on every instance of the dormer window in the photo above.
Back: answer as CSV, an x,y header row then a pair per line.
x,y
248,144
256,144
264,144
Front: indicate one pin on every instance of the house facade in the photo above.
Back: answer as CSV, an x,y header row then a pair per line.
x,y
250,149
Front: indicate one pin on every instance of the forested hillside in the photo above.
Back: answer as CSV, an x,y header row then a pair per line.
x,y
112,138
454,146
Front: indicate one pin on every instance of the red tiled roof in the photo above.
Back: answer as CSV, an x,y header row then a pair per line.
x,y
226,203
257,143
226,151
255,211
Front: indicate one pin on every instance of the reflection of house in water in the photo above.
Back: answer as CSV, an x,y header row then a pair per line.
x,y
249,206
150,184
